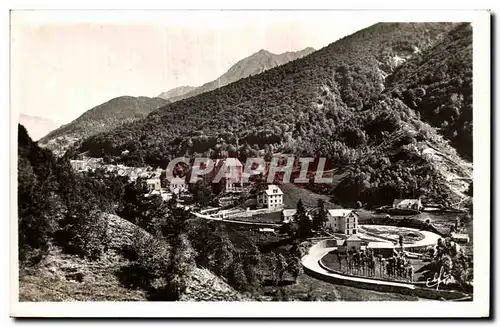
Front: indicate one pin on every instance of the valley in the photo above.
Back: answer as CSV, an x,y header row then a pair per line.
x,y
383,116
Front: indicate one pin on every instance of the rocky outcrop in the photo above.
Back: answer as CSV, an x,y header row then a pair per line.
x,y
205,286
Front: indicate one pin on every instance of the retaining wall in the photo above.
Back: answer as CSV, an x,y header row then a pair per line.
x,y
313,266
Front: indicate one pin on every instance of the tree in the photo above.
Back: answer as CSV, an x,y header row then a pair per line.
x,y
179,269
294,266
146,211
451,264
237,277
303,221
252,266
90,237
281,266
223,256
202,194
320,216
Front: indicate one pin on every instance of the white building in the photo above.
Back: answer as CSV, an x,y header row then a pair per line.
x,y
153,184
78,165
272,198
177,185
343,221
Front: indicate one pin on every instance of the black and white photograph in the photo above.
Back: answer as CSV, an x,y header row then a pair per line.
x,y
254,158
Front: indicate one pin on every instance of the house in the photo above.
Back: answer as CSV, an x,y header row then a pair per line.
x,y
287,215
271,198
153,184
232,178
460,238
352,243
343,221
78,165
412,204
177,185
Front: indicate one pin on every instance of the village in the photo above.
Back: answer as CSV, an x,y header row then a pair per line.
x,y
352,241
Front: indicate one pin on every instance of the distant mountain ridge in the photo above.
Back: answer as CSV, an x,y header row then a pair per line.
x,y
176,92
103,118
37,127
252,65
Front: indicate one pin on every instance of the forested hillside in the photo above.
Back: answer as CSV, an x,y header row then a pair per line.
x,y
330,103
438,84
102,118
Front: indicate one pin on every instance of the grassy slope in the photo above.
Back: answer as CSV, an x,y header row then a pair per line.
x,y
54,280
308,288
293,193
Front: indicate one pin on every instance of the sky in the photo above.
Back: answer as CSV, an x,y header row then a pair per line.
x,y
64,63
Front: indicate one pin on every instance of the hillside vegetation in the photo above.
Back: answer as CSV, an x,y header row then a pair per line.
x,y
331,103
438,85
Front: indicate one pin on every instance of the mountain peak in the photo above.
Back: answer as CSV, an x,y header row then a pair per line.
x,y
254,64
264,52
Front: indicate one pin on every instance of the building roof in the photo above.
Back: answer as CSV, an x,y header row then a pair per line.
x,y
353,238
457,235
273,190
340,212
